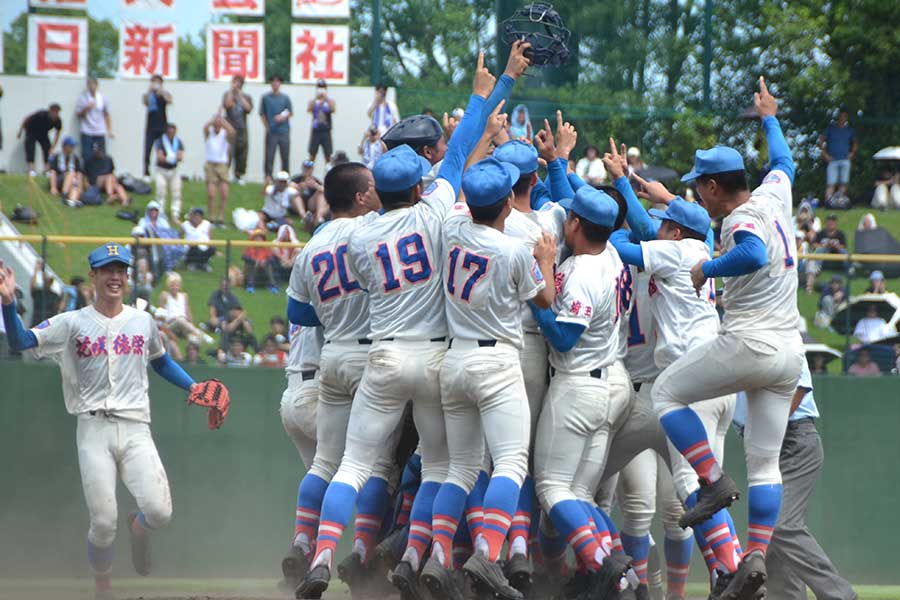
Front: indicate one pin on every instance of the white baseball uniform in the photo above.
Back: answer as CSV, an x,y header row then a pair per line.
x,y
104,372
397,258
528,227
322,278
300,398
486,275
759,347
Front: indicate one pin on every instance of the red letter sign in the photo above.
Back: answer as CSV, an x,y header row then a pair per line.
x,y
235,50
320,52
57,46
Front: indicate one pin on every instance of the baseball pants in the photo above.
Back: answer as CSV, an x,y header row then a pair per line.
x,y
484,399
795,559
765,363
298,413
109,447
169,180
396,372
533,359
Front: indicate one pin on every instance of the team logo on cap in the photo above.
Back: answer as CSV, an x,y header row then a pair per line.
x,y
112,250
43,325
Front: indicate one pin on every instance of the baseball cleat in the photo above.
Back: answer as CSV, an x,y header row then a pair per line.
x,y
441,582
722,581
578,585
711,498
610,577
140,547
294,566
642,592
315,582
104,595
406,580
489,576
518,572
748,579
390,551
352,572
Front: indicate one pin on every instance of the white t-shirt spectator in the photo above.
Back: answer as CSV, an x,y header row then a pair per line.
x,y
870,329
217,146
94,120
277,203
200,233
591,169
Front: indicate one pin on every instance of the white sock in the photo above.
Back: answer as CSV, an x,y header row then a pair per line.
x,y
323,559
438,551
519,546
360,548
412,557
481,545
600,556
301,540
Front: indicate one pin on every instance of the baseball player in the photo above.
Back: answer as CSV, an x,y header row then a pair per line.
x,y
322,291
486,277
758,348
103,351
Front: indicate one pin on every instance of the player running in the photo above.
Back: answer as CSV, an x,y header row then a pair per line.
x,y
103,351
758,348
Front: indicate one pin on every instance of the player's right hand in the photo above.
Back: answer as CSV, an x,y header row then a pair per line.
x,y
766,104
614,161
697,277
545,249
518,63
566,137
7,284
450,124
544,143
653,191
484,81
496,122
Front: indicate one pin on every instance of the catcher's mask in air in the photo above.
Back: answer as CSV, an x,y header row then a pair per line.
x,y
541,25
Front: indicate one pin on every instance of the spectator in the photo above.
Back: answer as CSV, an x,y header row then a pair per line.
x,y
279,333
830,240
806,217
428,111
236,356
193,356
36,127
867,222
275,110
5,351
340,158
818,366
887,190
876,283
226,315
371,147
77,295
839,145
101,172
519,123
864,365
280,197
169,152
44,300
237,105
383,112
271,356
155,99
322,108
153,222
633,157
178,310
93,110
872,327
256,258
896,369
198,229
590,168
832,297
284,257
66,171
313,194
144,279
217,132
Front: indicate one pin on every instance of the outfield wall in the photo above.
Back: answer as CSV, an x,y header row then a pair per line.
x,y
234,489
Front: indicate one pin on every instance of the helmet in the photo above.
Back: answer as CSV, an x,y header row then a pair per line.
x,y
415,131
541,25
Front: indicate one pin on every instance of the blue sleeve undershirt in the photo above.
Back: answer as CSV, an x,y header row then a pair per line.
x,y
540,195
630,252
302,313
779,153
462,142
17,336
747,256
562,335
575,181
172,372
559,184
638,218
502,90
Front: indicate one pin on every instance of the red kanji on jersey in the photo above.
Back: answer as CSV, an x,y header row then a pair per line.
x,y
651,287
575,308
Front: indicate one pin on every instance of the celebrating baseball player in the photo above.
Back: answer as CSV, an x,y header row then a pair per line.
x,y
758,348
103,351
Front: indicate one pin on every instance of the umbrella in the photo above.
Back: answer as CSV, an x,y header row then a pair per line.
x,y
887,306
826,352
651,173
889,153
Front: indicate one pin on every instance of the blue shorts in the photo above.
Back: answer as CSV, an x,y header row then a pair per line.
x,y
838,172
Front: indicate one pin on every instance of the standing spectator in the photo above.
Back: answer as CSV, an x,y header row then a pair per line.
x,y
313,194
66,171
590,168
876,283
155,99
520,123
169,152
382,111
178,310
237,105
280,197
276,110
217,132
371,147
322,108
78,294
198,229
227,316
258,258
101,172
93,110
271,356
864,365
44,300
839,145
36,127
872,327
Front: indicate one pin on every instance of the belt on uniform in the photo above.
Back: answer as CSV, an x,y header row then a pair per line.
x,y
361,342
307,375
481,343
596,373
637,386
102,413
443,338
532,333
798,422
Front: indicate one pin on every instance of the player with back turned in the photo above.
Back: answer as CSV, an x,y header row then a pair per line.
x,y
758,347
103,351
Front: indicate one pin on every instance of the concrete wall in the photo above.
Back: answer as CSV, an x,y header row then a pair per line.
x,y
193,104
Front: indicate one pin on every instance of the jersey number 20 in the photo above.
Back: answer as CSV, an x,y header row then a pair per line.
x,y
324,264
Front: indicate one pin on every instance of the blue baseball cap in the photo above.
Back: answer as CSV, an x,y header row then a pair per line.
x,y
715,160
69,141
689,215
399,169
109,253
488,181
593,205
517,152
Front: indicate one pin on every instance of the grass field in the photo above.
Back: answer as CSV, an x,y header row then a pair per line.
x,y
70,260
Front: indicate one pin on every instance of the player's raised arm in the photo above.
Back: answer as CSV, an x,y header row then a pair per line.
x,y
17,336
780,157
638,219
629,252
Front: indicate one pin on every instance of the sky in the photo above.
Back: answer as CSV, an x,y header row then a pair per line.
x,y
190,16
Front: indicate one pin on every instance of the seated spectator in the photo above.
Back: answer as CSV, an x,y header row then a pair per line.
x,y
101,172
864,366
831,240
590,168
227,316
258,258
876,283
340,158
313,194
198,229
887,190
169,153
867,222
370,148
278,332
36,128
896,369
519,124
193,355
44,300
144,278
818,366
236,355
634,160
178,311
284,257
832,297
280,198
271,355
155,225
66,173
153,222
806,216
872,327
74,296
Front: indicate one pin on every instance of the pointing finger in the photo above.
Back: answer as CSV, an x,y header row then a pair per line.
x,y
481,60
762,85
612,147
